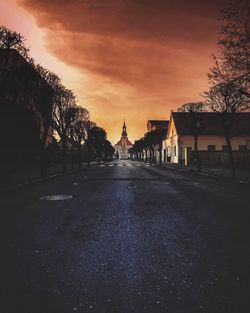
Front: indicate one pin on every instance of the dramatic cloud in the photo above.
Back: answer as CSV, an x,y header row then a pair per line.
x,y
141,58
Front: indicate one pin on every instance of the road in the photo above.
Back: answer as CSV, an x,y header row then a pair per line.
x,y
133,238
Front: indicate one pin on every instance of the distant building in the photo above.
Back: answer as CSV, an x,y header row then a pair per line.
x,y
160,128
212,146
123,145
157,124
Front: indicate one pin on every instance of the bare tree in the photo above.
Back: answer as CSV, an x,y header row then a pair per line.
x,y
225,99
21,83
11,40
96,138
108,150
158,135
149,146
137,149
79,129
229,77
193,108
232,61
44,116
62,116
89,125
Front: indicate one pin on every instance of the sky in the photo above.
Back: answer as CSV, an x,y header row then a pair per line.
x,y
132,59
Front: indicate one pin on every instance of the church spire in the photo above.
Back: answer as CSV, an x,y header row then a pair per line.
x,y
124,129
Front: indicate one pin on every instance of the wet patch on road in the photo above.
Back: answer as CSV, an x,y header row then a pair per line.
x,y
132,186
56,197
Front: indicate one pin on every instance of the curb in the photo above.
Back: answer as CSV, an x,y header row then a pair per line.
x,y
238,180
38,180
214,175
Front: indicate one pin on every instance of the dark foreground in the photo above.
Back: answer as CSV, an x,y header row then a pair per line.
x,y
133,238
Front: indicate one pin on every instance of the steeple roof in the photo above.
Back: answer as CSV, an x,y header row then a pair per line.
x,y
124,129
124,141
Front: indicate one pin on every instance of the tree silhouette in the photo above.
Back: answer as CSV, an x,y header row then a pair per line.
x,y
158,136
229,77
96,139
44,116
21,84
153,141
12,40
138,148
232,62
62,116
109,150
79,129
225,99
193,108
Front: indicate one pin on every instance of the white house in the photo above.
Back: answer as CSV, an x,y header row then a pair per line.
x,y
180,136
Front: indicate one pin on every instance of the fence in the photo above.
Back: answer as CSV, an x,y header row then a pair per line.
x,y
220,158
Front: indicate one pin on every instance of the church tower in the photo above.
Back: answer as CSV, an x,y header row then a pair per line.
x,y
124,130
123,145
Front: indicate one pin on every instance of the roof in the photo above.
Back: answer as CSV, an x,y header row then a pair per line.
x,y
210,123
127,142
158,122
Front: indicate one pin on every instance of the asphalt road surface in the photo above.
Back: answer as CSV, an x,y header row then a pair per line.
x,y
133,238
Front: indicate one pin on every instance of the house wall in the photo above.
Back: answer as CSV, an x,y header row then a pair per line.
x,y
171,144
123,151
218,141
220,158
175,145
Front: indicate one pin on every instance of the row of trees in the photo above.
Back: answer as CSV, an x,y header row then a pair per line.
x,y
229,79
148,145
62,117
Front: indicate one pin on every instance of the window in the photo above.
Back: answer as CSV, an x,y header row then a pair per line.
x,y
168,151
248,144
242,147
211,147
224,147
174,150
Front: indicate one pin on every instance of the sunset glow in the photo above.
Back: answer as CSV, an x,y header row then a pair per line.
x,y
133,59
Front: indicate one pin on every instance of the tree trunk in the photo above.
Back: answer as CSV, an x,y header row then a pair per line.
x,y
72,156
43,160
152,155
79,156
99,156
197,157
88,154
43,153
160,157
230,154
64,154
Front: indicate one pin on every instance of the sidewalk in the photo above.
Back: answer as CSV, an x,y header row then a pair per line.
x,y
241,175
24,177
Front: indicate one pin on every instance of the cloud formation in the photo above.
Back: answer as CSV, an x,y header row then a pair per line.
x,y
142,57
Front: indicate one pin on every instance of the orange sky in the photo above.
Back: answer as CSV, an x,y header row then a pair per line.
x,y
132,58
